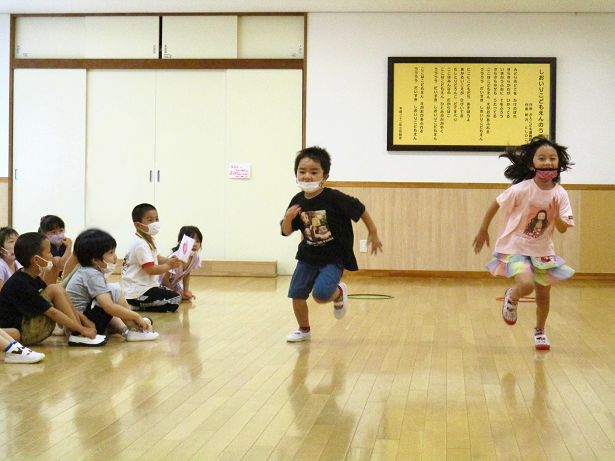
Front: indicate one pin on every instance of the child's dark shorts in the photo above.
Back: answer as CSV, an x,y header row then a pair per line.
x,y
321,281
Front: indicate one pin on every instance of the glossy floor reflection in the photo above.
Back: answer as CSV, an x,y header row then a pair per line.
x,y
432,374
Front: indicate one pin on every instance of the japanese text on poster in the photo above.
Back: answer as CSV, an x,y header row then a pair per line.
x,y
469,105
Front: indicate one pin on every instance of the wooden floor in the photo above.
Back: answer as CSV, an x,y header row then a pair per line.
x,y
432,374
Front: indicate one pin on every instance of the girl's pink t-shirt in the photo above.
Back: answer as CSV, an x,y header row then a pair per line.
x,y
529,221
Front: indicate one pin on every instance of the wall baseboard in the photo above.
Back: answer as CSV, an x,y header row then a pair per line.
x,y
223,268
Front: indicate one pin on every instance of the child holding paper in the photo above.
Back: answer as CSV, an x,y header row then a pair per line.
x,y
187,248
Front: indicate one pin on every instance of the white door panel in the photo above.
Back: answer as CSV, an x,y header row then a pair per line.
x,y
49,147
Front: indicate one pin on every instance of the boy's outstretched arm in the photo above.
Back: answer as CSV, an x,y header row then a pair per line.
x,y
372,235
483,233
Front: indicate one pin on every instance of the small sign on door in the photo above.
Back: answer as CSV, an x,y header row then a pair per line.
x,y
239,170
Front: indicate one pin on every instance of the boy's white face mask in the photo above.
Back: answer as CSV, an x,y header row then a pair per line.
x,y
309,187
153,228
108,270
43,269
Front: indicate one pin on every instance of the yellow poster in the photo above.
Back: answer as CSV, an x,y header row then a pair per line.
x,y
469,105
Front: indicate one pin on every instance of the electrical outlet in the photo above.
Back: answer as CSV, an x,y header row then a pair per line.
x,y
363,246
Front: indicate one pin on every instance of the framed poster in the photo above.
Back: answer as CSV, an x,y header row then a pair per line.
x,y
469,104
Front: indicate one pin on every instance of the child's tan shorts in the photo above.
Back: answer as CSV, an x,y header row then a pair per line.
x,y
36,329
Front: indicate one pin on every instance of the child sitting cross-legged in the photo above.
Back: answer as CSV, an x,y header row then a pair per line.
x,y
103,303
29,309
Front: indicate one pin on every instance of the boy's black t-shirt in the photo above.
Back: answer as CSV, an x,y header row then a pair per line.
x,y
21,297
325,223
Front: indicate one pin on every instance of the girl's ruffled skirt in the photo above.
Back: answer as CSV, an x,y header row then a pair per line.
x,y
540,268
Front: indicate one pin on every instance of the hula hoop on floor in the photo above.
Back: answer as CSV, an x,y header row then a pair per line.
x,y
524,299
369,296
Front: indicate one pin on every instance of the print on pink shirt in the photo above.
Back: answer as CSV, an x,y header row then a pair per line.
x,y
538,223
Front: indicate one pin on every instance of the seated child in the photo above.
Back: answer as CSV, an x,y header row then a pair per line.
x,y
15,352
103,303
29,309
143,266
172,279
52,227
8,264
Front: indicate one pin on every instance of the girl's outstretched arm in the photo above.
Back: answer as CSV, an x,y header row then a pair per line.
x,y
483,233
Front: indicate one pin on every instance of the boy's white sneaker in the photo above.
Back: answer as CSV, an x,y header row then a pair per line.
x,y
141,335
84,341
340,305
298,336
21,354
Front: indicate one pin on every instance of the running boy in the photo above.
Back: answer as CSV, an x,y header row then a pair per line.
x,y
324,216
101,302
143,266
29,309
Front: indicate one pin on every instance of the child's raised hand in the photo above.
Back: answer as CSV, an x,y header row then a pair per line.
x,y
68,243
374,241
292,212
481,238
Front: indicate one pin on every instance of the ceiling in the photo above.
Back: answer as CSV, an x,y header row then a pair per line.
x,y
230,6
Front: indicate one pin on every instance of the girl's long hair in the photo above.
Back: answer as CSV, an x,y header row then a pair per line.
x,y
522,159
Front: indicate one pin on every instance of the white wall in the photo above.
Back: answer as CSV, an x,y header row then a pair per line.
x,y
5,41
347,88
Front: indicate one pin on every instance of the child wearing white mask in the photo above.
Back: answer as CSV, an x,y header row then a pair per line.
x,y
52,227
101,302
179,279
324,216
29,309
143,266
8,263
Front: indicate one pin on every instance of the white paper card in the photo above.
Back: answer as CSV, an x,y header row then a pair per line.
x,y
185,247
239,170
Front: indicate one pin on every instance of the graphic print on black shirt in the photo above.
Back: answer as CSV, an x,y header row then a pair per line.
x,y
316,229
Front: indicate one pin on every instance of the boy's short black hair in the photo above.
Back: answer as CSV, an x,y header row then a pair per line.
x,y
92,244
139,211
5,233
318,154
190,231
49,223
28,245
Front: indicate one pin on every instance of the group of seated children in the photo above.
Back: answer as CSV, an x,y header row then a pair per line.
x,y
47,284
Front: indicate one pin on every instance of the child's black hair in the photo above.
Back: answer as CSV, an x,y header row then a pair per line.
x,y
28,245
190,231
5,233
50,223
318,154
92,244
522,159
139,211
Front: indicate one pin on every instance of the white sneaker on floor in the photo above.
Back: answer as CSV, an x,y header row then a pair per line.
x,y
58,330
141,335
298,335
21,354
340,305
83,341
150,322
